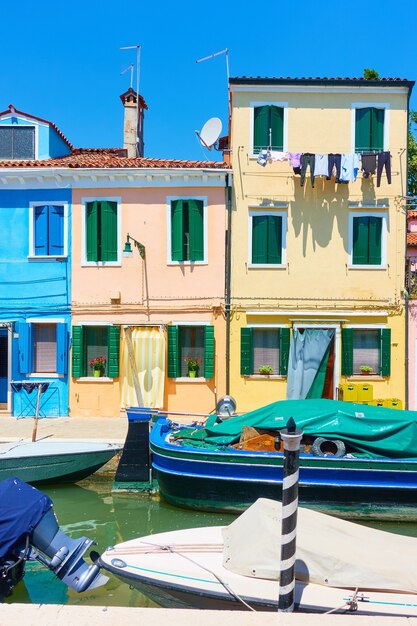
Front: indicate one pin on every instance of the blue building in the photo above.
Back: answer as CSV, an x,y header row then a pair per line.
x,y
35,265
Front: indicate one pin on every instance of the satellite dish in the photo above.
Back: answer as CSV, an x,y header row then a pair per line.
x,y
226,407
210,132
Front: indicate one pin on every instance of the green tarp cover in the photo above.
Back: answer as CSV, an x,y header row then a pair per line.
x,y
367,430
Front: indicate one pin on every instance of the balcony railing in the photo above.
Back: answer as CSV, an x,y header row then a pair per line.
x,y
411,276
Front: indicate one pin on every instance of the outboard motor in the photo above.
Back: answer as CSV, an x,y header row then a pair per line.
x,y
29,531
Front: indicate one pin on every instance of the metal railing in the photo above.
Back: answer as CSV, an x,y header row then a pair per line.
x,y
411,276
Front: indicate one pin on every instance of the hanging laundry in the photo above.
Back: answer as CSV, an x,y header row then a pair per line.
x,y
321,166
349,167
368,164
295,160
263,158
277,156
307,159
384,158
334,162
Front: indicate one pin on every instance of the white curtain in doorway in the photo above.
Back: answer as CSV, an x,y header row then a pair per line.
x,y
149,351
307,350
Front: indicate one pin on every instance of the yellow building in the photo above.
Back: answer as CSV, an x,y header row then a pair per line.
x,y
317,265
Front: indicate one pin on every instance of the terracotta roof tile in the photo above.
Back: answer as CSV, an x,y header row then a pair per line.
x,y
411,239
411,215
360,79
111,158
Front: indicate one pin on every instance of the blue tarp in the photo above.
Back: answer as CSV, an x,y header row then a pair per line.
x,y
21,509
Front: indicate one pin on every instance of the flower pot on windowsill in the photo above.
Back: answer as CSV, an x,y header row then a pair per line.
x,y
192,373
97,373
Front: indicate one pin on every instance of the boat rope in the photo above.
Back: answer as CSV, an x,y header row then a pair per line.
x,y
6,569
349,605
222,582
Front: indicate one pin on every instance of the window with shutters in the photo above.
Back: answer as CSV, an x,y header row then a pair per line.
x,y
17,142
264,346
187,230
90,342
366,346
190,342
368,240
101,231
369,128
269,123
43,347
267,238
48,229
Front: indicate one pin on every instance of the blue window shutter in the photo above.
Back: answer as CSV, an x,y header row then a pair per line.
x,y
56,230
61,348
25,348
41,230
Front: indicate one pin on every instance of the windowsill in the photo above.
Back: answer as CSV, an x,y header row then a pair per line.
x,y
94,379
101,264
187,379
42,259
45,375
173,263
265,376
367,267
267,266
367,378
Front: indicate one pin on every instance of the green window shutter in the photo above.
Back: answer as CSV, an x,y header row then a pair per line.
x,y
177,230
92,231
274,253
78,364
360,252
261,121
284,350
173,352
277,126
347,351
114,350
375,240
385,351
377,129
208,351
196,229
246,352
108,238
259,238
363,130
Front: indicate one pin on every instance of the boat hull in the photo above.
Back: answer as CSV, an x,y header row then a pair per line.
x,y
232,480
53,462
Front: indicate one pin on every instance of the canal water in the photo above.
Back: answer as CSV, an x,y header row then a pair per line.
x,y
92,509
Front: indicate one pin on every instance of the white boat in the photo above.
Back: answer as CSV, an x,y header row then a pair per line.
x,y
51,461
237,566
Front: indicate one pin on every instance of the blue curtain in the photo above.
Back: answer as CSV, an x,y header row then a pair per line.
x,y
307,350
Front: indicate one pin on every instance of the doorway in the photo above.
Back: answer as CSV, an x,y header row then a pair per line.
x,y
4,367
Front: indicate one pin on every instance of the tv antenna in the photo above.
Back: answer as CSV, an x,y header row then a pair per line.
x,y
210,132
131,68
216,54
137,48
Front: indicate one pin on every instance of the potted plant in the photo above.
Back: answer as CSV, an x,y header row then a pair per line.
x,y
365,369
98,365
266,370
193,365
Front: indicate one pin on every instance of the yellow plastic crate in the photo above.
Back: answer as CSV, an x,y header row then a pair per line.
x,y
393,403
365,392
348,392
379,402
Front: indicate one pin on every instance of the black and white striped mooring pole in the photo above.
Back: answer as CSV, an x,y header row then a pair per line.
x,y
291,437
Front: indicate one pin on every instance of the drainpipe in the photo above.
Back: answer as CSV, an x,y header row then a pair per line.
x,y
406,300
228,196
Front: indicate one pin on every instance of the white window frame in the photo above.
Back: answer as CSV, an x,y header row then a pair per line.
x,y
384,234
94,379
32,206
39,321
84,201
258,211
35,126
368,327
365,105
253,106
169,200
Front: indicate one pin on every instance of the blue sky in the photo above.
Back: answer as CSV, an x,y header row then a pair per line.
x,y
62,62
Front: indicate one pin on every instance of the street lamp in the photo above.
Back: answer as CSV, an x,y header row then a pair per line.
x,y
127,250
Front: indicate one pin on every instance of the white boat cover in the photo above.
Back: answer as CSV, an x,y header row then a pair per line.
x,y
330,551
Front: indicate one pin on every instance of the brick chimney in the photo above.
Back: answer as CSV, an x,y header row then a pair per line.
x,y
132,135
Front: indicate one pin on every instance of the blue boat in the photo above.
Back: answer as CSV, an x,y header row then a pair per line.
x,y
356,461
